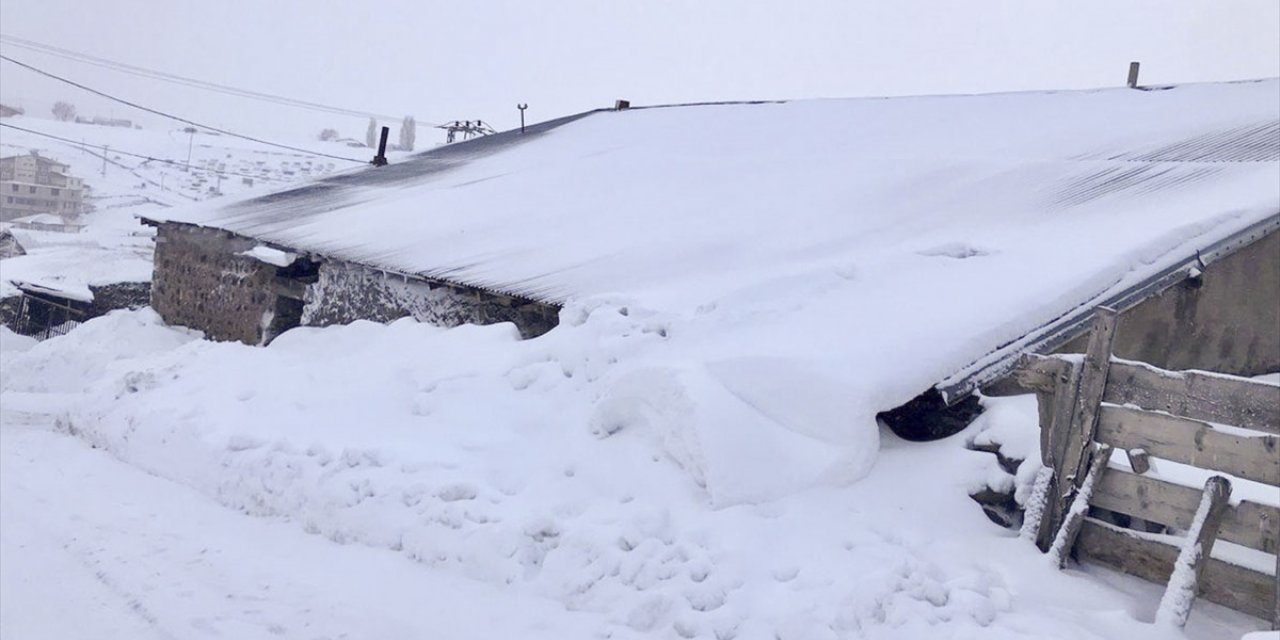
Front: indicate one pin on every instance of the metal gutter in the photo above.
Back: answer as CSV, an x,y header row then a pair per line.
x,y
1054,334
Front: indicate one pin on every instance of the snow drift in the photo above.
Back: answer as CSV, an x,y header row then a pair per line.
x,y
574,467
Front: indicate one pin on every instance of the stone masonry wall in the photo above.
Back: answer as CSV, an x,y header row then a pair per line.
x,y
201,282
346,292
120,295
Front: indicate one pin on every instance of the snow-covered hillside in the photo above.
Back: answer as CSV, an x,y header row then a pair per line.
x,y
123,183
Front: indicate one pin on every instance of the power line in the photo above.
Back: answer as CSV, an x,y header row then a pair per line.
x,y
163,76
173,117
91,148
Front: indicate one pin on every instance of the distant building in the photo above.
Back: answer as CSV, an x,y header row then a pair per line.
x,y
31,184
7,111
47,222
105,122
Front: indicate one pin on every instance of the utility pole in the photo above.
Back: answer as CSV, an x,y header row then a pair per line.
x,y
190,142
104,160
522,107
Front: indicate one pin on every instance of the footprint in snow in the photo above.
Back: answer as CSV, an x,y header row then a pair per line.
x,y
956,250
456,492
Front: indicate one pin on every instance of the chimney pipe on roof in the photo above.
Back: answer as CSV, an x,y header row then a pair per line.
x,y
1133,75
622,104
381,159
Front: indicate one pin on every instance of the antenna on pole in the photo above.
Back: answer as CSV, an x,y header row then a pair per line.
x,y
467,128
522,107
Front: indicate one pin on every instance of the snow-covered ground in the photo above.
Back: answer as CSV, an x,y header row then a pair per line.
x,y
122,176
375,481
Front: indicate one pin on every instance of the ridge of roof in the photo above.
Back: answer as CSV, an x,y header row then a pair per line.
x,y
909,96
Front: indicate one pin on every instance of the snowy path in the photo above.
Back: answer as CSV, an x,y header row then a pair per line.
x,y
94,548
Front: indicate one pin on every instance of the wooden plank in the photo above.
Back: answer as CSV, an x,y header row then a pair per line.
x,y
1229,400
1194,556
1053,442
1192,394
1093,380
1248,524
1066,539
1034,373
1060,410
1074,423
1192,442
1226,584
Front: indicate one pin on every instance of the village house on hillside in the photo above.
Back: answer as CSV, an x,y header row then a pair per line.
x,y
1026,211
33,184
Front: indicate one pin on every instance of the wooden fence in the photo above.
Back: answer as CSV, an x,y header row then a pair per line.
x,y
1093,406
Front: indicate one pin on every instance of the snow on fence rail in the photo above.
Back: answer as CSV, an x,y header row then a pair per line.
x,y
1090,406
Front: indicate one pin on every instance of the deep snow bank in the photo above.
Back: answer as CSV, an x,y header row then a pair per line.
x,y
742,430
587,466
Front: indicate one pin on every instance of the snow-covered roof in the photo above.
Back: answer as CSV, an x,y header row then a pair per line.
x,y
937,227
41,218
73,292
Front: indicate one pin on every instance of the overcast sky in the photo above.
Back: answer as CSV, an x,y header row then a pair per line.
x,y
477,59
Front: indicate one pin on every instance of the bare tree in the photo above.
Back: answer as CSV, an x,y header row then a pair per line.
x,y
328,134
371,135
408,133
64,111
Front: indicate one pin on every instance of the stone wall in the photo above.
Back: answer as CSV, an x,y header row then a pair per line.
x,y
345,292
1227,320
120,295
201,281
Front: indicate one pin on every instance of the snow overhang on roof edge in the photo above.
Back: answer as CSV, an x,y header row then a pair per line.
x,y
1050,336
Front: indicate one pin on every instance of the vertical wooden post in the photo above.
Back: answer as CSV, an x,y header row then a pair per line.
x,y
1133,75
1074,519
1175,606
1275,613
1075,418
24,318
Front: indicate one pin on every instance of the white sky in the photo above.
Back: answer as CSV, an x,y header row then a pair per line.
x,y
477,59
